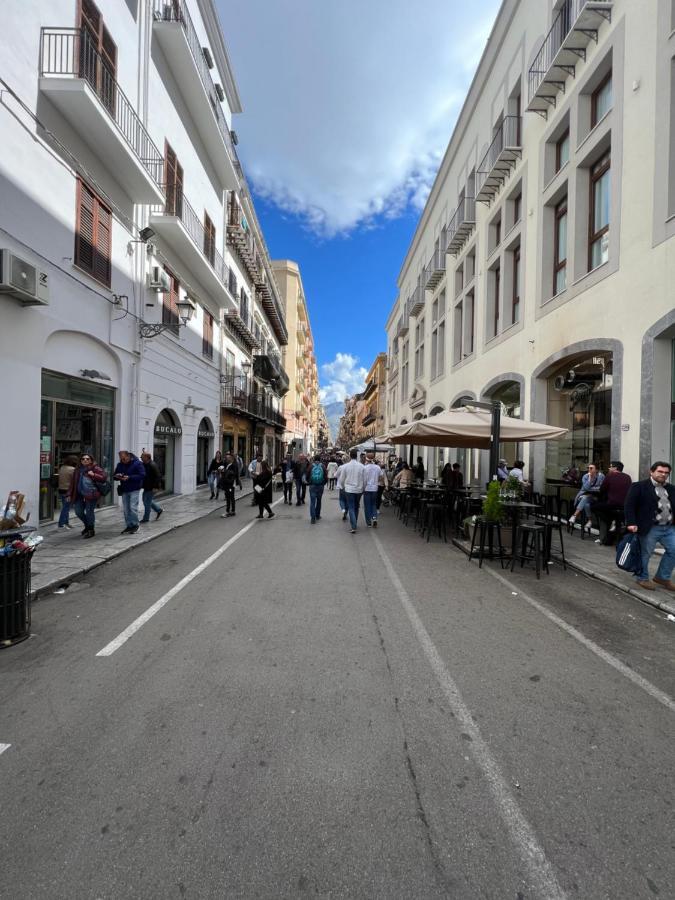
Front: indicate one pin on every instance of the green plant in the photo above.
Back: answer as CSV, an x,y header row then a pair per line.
x,y
512,487
493,508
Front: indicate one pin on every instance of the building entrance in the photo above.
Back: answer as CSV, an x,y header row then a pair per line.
x,y
166,434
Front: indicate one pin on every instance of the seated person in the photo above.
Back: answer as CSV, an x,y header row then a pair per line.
x,y
590,489
502,471
404,478
456,479
611,499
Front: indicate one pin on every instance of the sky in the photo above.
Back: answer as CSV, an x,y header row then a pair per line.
x,y
348,108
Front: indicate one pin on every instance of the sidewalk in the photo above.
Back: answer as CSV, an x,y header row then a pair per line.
x,y
64,557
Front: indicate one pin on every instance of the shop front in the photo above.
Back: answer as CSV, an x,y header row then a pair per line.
x,y
206,436
166,445
76,416
236,435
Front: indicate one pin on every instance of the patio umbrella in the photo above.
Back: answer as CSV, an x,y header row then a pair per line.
x,y
467,427
378,444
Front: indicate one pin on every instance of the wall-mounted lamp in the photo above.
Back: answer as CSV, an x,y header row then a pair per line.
x,y
186,309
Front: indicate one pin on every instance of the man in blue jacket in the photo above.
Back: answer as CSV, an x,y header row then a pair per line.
x,y
650,511
129,474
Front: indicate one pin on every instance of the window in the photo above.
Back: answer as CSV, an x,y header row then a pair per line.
x,y
93,234
562,150
515,295
97,54
438,336
207,335
470,315
419,349
498,231
243,305
170,303
517,208
601,100
173,176
232,282
560,248
496,285
404,371
598,232
459,332
209,239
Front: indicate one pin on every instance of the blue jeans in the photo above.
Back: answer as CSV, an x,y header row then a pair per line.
x,y
315,495
353,503
370,506
300,488
342,499
148,505
130,508
85,510
65,508
658,534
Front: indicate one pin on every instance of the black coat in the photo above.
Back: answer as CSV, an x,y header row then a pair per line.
x,y
641,505
265,482
153,477
228,476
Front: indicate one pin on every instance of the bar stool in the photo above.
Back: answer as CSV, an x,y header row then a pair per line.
x,y
552,525
486,535
434,520
532,541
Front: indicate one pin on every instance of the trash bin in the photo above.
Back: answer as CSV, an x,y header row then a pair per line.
x,y
14,590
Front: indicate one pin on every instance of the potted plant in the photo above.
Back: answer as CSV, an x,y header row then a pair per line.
x,y
512,488
493,507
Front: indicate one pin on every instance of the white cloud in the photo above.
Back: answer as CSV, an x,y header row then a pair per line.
x,y
348,107
341,378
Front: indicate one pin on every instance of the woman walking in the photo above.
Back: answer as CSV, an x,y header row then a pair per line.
x,y
262,489
212,474
84,492
65,477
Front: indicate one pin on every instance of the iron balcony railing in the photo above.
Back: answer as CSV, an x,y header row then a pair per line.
x,y
177,11
461,224
177,205
563,23
71,53
236,394
507,137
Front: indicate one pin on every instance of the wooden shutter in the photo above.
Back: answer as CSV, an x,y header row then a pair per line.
x,y
103,245
93,234
170,301
209,239
207,335
173,175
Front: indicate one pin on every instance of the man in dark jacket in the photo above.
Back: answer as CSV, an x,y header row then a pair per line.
x,y
228,476
316,477
299,470
611,499
650,511
129,474
151,483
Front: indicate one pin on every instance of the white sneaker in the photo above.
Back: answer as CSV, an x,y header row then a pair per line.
x,y
598,541
572,520
612,527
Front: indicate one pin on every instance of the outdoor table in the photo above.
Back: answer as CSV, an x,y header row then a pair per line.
x,y
514,509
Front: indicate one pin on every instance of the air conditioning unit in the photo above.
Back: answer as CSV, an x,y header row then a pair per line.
x,y
159,280
208,57
219,91
235,138
22,280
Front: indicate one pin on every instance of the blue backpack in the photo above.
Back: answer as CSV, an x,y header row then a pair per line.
x,y
316,476
629,553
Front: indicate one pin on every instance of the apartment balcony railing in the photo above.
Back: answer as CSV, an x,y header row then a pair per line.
x,y
176,34
405,320
179,226
243,326
270,303
576,24
241,238
83,87
435,269
461,225
500,160
301,332
416,300
236,395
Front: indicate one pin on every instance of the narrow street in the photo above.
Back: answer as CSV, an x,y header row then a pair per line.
x,y
315,713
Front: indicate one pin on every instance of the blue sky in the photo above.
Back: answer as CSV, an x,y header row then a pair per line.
x,y
348,109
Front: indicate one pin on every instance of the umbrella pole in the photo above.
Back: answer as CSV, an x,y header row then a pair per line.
x,y
494,440
412,453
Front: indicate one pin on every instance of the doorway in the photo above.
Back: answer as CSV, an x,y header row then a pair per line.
x,y
166,434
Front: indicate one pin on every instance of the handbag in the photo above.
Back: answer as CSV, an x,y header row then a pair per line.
x,y
258,489
629,553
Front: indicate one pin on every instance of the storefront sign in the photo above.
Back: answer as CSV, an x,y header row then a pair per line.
x,y
168,429
45,457
206,434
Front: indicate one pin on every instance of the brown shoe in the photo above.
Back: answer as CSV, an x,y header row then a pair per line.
x,y
668,585
647,585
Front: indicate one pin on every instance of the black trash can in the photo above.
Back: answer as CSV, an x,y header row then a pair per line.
x,y
14,596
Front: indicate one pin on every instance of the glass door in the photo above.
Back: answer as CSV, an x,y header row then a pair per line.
x,y
48,491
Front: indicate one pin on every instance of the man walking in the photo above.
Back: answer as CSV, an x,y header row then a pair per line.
x,y
300,476
371,483
613,492
287,479
650,507
228,476
151,482
316,477
255,469
351,481
129,473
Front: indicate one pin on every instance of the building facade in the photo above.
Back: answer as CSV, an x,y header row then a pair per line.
x,y
372,421
135,286
540,274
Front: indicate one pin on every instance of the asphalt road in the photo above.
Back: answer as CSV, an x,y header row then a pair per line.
x,y
314,713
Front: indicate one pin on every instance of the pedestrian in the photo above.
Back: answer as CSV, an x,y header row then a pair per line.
x,y
404,477
212,474
332,473
151,483
129,473
65,477
611,500
228,477
287,478
418,470
300,478
590,488
351,480
382,485
84,492
316,476
371,483
650,511
262,490
342,497
255,468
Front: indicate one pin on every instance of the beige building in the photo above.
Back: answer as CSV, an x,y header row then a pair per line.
x,y
302,405
372,421
541,272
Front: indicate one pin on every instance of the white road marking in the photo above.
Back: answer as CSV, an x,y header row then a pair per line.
x,y
612,661
138,623
4,747
539,868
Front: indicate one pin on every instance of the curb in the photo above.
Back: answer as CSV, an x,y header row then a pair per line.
x,y
146,539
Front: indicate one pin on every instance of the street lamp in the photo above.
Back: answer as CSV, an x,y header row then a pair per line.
x,y
186,309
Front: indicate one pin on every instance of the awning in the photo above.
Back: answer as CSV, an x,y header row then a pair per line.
x,y
467,427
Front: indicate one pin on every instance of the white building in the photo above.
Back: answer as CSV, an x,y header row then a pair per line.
x,y
541,272
125,313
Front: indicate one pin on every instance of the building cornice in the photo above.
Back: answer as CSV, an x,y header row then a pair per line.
x,y
221,57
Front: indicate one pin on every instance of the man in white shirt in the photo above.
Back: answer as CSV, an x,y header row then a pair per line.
x,y
371,478
351,481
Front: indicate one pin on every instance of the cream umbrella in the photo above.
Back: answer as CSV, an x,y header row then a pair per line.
x,y
469,427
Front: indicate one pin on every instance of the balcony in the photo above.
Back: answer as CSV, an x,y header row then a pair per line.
x,y
181,229
242,325
435,269
241,238
461,225
267,367
268,300
79,83
416,300
499,161
576,24
301,332
236,395
175,33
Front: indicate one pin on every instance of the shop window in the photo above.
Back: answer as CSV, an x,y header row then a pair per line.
x,y
560,248
93,234
598,237
601,99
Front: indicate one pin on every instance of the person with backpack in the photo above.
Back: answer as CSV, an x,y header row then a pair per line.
x,y
152,481
88,483
228,476
316,477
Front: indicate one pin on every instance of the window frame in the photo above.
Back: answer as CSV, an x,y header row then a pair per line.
x,y
99,273
594,99
207,334
209,238
560,211
515,294
170,310
496,289
564,137
598,170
